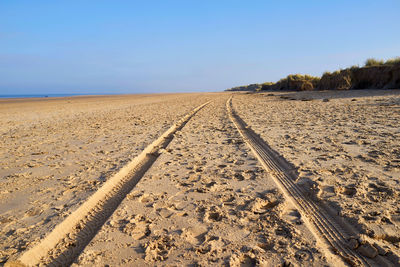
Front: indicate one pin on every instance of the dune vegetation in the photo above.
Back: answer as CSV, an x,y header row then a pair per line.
x,y
250,87
375,74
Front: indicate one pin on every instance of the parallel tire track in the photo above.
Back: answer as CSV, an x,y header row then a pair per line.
x,y
331,231
70,237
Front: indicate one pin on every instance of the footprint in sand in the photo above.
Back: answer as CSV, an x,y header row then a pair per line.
x,y
348,190
137,227
148,199
165,212
137,230
195,235
212,245
326,191
261,205
135,194
159,248
213,214
34,211
291,215
303,255
247,259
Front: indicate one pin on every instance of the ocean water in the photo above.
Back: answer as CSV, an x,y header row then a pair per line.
x,y
41,95
38,95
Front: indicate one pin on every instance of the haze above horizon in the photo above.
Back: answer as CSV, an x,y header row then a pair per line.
x,y
183,46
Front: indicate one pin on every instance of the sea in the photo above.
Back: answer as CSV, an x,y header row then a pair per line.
x,y
41,95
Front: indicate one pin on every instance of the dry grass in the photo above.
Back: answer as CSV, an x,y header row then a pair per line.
x,y
300,82
379,62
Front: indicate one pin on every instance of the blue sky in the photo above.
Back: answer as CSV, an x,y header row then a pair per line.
x,y
181,46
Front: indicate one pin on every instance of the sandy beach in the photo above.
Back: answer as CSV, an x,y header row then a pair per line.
x,y
345,147
57,152
235,179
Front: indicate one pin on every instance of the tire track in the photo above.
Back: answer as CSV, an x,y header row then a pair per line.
x,y
334,233
70,237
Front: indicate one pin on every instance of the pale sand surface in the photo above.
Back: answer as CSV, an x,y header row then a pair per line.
x,y
57,152
347,151
206,200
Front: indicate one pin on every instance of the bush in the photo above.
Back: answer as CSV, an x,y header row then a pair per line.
x,y
393,61
340,79
268,83
373,62
326,73
250,87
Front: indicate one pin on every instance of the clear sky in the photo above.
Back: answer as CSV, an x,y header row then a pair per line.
x,y
176,46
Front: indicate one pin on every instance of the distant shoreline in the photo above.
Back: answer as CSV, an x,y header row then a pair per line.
x,y
47,95
44,96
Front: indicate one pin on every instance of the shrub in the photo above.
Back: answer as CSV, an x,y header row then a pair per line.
x,y
268,83
326,73
341,79
393,61
373,62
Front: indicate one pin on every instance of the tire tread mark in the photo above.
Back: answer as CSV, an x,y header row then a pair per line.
x,y
322,224
69,238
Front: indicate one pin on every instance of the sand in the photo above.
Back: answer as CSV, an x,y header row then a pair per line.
x,y
345,147
55,153
206,201
200,193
